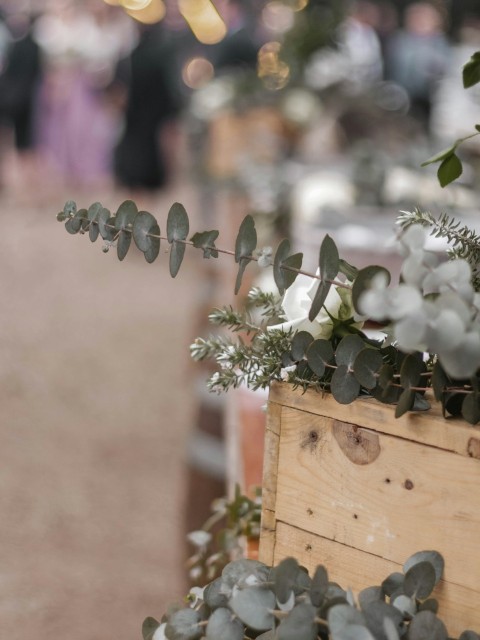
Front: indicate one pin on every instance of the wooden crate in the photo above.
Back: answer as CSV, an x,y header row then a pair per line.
x,y
351,487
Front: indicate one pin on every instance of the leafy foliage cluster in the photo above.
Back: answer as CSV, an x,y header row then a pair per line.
x,y
450,165
240,518
435,309
252,600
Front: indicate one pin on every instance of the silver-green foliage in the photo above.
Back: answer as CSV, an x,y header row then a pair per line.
x,y
252,600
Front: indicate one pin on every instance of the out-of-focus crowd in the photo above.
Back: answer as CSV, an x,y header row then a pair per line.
x,y
89,96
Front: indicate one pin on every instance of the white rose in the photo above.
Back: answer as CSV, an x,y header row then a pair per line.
x,y
296,305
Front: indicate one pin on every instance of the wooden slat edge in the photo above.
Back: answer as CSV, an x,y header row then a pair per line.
x,y
269,484
426,427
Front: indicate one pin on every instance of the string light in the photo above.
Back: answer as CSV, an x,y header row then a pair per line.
x,y
204,20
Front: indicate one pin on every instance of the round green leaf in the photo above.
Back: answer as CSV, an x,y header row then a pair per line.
x,y
405,604
344,387
363,282
222,625
471,72
285,577
426,626
469,635
329,261
300,343
343,615
177,223
145,235
393,582
213,595
441,155
348,348
420,580
430,605
433,557
253,605
183,625
369,595
149,626
73,225
411,371
299,624
319,586
366,366
375,614
319,354
471,407
103,219
125,215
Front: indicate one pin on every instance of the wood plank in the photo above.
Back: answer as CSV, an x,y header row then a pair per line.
x,y
411,497
427,427
269,486
355,569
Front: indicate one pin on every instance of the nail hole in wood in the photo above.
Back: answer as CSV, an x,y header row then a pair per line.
x,y
408,485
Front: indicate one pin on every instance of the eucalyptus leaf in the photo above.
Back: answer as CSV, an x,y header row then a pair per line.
x,y
431,604
177,223
177,252
439,381
366,367
125,215
319,586
363,282
405,402
74,224
222,625
213,595
92,215
246,241
285,577
449,170
343,615
369,595
420,580
328,261
469,635
123,244
393,582
284,278
426,626
405,604
319,355
300,343
319,299
375,614
299,624
149,626
183,625
433,557
347,350
294,262
206,241
241,270
253,605
103,218
347,269
146,235
344,387
471,407
411,371
282,252
420,403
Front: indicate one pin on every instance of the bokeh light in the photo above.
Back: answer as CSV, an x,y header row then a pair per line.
x,y
153,12
197,72
204,20
274,72
278,17
296,5
135,5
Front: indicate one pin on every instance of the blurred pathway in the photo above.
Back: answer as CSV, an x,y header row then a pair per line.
x,y
96,406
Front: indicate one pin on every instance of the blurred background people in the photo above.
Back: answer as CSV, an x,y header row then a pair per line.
x,y
418,56
149,75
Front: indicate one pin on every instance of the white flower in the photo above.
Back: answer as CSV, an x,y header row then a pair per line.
x,y
297,302
286,371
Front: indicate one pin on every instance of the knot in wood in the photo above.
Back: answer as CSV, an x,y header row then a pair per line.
x,y
359,445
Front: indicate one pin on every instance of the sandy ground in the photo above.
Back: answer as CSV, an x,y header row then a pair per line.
x,y
96,408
